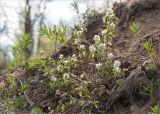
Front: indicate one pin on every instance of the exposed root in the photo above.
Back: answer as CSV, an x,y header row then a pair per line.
x,y
135,82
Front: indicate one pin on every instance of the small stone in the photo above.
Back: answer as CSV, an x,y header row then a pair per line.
x,y
11,112
2,84
40,71
58,93
147,36
125,25
125,64
64,94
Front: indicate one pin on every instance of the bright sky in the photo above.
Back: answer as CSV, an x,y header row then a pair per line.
x,y
56,11
61,10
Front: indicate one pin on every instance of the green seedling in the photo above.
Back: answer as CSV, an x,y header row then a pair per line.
x,y
148,46
37,110
155,109
135,29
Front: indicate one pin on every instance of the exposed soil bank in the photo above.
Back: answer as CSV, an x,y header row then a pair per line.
x,y
125,93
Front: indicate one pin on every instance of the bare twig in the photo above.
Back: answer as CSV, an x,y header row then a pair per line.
x,y
30,102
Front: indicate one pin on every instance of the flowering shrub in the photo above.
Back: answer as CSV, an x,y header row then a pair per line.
x,y
110,22
76,72
65,79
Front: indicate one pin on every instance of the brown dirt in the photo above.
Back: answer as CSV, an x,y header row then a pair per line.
x,y
131,50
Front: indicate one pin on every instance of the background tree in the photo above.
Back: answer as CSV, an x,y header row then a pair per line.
x,y
3,30
31,20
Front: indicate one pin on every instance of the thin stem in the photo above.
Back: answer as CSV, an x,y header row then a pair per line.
x,y
30,102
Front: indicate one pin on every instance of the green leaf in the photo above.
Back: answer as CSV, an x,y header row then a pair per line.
x,y
37,110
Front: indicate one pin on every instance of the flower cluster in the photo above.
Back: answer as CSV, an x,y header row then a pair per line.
x,y
61,56
116,66
77,41
92,49
117,63
59,68
97,50
102,46
82,47
79,33
66,62
109,12
96,38
53,79
66,75
112,26
98,45
104,32
110,55
98,66
74,58
41,52
110,23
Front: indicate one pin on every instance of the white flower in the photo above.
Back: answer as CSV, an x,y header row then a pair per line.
x,y
59,67
79,33
82,47
53,78
92,48
112,25
107,13
104,32
117,69
110,55
77,41
49,58
49,108
102,46
66,61
111,16
104,19
61,56
66,75
96,38
42,52
110,11
74,58
116,64
98,66
82,75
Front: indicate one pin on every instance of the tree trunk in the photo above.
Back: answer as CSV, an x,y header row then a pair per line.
x,y
28,26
